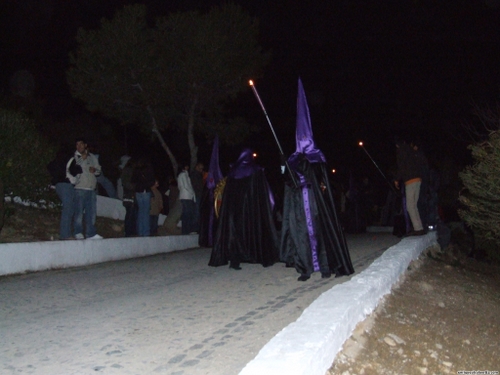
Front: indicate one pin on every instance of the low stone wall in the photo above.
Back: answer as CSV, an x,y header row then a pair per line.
x,y
309,345
24,257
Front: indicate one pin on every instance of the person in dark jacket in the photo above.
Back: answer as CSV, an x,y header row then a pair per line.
x,y
128,200
410,174
143,178
64,188
196,177
423,197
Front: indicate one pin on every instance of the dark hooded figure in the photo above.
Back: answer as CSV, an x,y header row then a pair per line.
x,y
312,239
246,232
208,220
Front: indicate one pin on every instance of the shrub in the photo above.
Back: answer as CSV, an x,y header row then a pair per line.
x,y
481,194
24,155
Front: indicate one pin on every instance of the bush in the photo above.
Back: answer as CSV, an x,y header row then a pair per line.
x,y
24,155
481,194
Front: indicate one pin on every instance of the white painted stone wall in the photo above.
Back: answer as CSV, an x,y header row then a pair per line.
x,y
39,256
309,345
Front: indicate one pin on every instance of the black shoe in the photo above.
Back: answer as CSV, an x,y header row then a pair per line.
x,y
409,234
326,275
235,266
303,278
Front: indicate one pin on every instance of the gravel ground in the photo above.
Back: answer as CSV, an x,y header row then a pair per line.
x,y
442,318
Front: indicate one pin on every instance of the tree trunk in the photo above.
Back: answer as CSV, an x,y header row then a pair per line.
x,y
193,149
2,207
175,165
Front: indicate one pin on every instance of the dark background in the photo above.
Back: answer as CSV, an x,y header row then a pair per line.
x,y
371,70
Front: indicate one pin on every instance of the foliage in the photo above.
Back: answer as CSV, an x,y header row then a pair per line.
x,y
481,196
2,206
24,154
210,58
112,70
184,71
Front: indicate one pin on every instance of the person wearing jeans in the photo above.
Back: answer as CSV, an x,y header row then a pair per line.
x,y
85,208
85,185
64,189
188,200
143,179
66,193
410,173
143,200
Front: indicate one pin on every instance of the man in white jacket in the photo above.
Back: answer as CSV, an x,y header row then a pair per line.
x,y
85,190
188,201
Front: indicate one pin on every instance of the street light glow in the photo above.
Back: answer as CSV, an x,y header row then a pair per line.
x,y
250,83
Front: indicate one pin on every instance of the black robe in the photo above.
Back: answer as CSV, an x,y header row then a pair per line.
x,y
208,220
246,232
332,252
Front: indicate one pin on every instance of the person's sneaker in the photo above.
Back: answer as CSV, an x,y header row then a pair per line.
x,y
79,236
95,237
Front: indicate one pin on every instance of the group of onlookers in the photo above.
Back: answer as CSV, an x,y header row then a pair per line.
x,y
142,200
75,177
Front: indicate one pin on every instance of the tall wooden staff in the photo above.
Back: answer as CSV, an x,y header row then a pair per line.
x,y
383,175
284,159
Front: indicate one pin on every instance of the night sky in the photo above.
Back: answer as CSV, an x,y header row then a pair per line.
x,y
370,69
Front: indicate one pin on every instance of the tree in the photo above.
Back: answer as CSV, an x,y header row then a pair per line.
x,y
115,72
210,57
24,154
182,72
481,196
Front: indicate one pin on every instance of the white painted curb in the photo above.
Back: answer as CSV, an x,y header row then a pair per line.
x,y
309,345
40,256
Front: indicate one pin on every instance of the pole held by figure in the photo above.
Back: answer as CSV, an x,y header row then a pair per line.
x,y
284,159
383,175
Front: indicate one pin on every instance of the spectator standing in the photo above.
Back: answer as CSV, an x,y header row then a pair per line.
x,y
119,184
187,197
196,177
65,190
174,207
433,216
423,198
156,208
410,173
102,180
85,190
143,178
128,197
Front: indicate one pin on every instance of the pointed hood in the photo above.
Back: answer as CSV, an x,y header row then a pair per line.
x,y
214,173
245,165
303,133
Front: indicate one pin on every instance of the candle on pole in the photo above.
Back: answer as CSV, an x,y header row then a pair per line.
x,y
383,175
285,161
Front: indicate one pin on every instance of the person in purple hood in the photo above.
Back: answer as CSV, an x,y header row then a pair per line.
x,y
312,239
246,232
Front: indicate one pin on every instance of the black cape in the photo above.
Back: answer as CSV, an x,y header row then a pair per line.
x,y
295,249
246,231
208,220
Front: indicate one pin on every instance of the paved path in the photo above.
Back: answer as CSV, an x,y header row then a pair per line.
x,y
166,314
